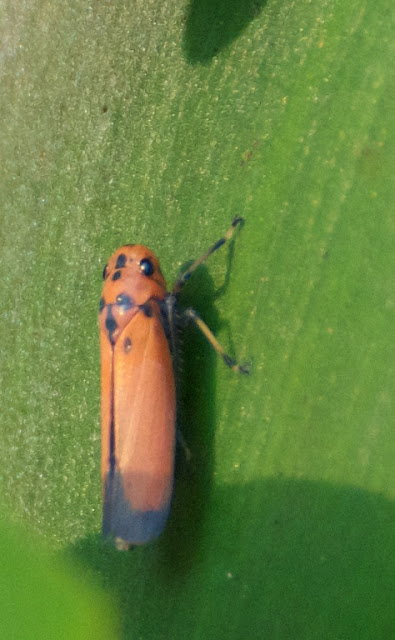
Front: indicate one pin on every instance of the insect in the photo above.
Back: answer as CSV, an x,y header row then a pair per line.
x,y
138,414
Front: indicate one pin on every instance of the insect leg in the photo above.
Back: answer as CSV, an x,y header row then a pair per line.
x,y
191,315
225,238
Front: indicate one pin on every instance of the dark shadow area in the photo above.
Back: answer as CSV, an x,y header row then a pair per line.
x,y
212,25
277,558
196,418
196,422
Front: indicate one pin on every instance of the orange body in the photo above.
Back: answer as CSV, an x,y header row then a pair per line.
x,y
138,398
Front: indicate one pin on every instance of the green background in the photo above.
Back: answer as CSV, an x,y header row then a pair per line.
x,y
157,122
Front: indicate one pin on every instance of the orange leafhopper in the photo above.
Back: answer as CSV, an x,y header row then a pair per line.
x,y
138,409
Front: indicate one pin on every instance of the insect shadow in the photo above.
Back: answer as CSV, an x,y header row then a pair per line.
x,y
196,420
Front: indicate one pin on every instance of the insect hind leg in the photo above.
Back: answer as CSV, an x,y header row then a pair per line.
x,y
190,315
184,277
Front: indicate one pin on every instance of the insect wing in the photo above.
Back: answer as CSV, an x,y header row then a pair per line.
x,y
138,417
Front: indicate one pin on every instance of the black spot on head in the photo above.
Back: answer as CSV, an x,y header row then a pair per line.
x,y
146,267
116,276
104,272
121,261
127,345
102,304
124,301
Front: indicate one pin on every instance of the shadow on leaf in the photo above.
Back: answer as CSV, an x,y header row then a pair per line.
x,y
212,25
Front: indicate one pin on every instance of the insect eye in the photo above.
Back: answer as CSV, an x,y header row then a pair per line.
x,y
124,301
146,267
105,272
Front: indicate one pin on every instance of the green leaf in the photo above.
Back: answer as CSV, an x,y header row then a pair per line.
x,y
157,123
41,597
